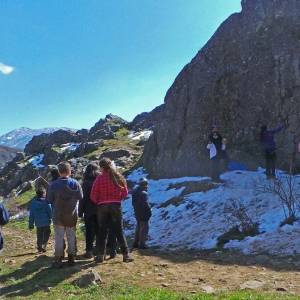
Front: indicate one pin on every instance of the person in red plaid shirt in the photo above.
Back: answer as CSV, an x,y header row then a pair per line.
x,y
108,191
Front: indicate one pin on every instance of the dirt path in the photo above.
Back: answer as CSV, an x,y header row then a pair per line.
x,y
181,271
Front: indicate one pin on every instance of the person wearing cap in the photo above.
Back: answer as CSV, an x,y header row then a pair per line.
x,y
142,211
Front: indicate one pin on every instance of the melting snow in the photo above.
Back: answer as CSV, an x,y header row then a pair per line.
x,y
70,147
198,220
36,161
142,135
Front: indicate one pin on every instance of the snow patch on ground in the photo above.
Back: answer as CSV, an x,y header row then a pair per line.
x,y
142,135
198,220
36,161
70,147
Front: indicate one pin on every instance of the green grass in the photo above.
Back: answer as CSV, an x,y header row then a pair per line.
x,y
24,199
21,224
121,141
125,292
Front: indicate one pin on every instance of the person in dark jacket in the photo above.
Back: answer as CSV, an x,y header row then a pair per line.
x,y
64,194
267,140
142,211
88,209
217,151
40,215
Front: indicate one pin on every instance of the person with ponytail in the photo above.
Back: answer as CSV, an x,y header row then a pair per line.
x,y
108,191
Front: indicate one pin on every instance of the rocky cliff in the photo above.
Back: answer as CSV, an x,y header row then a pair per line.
x,y
248,74
6,155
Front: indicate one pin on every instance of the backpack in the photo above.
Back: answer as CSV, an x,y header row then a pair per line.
x,y
4,215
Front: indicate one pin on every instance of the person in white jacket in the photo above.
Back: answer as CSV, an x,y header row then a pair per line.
x,y
216,147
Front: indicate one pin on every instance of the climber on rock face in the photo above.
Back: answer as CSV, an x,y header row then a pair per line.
x,y
269,146
216,146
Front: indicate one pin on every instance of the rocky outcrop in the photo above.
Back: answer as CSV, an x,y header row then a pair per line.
x,y
147,120
106,128
248,74
40,143
6,155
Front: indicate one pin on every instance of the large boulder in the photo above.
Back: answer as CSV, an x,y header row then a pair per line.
x,y
247,75
86,148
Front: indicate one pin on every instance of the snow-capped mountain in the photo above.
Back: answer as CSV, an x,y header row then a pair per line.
x,y
20,137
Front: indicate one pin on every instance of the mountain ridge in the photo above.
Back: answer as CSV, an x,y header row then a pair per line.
x,y
20,137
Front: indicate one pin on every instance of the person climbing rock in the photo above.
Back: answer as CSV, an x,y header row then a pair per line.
x,y
109,189
267,139
142,211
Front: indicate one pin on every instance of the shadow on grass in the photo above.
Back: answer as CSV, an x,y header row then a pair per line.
x,y
37,275
227,258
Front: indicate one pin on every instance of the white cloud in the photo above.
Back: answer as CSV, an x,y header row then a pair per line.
x,y
5,69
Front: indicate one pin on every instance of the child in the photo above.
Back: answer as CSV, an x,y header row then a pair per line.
x,y
40,215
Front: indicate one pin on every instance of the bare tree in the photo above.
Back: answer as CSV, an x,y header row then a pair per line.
x,y
238,215
286,189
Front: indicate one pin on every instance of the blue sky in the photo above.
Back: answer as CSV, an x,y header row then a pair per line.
x,y
72,62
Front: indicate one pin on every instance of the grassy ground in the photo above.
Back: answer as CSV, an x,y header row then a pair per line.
x,y
154,274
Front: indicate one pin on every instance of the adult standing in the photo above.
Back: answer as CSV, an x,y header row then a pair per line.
x,y
216,149
267,139
142,211
64,194
88,209
109,189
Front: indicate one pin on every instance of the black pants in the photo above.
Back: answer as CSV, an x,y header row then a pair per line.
x,y
43,234
215,168
110,218
270,163
111,242
91,229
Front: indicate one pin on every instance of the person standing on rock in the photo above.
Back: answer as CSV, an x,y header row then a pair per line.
x,y
40,215
267,140
142,211
64,194
88,209
109,189
216,149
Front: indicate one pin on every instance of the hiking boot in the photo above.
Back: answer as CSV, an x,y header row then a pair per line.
x,y
134,246
57,264
99,259
71,260
89,254
127,258
112,255
143,247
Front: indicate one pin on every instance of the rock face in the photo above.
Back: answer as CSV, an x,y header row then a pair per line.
x,y
40,143
147,120
6,155
247,75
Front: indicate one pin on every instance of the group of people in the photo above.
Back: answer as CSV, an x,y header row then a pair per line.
x,y
98,202
217,151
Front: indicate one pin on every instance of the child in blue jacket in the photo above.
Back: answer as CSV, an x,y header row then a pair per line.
x,y
41,215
